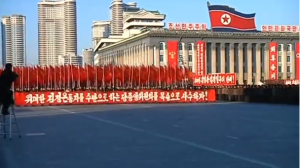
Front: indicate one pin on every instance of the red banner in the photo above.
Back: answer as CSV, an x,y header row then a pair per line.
x,y
297,52
201,61
116,97
173,53
273,61
228,79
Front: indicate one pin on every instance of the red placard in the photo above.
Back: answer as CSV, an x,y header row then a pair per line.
x,y
228,79
297,53
197,26
183,26
270,28
282,28
178,26
173,53
273,61
171,26
191,26
201,61
204,27
116,97
294,29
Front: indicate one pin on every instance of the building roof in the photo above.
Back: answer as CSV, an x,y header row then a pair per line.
x,y
164,33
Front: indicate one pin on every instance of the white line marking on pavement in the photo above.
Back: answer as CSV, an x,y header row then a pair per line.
x,y
232,137
270,121
35,134
199,146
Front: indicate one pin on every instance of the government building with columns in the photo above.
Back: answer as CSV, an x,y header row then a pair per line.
x,y
246,54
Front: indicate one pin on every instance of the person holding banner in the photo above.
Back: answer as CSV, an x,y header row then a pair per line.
x,y
7,77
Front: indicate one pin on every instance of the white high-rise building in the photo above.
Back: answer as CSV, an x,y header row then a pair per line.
x,y
100,29
13,40
88,56
117,10
57,30
116,17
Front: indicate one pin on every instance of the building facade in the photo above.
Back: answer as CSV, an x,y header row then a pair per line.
x,y
13,35
100,29
70,60
57,30
246,54
135,22
88,56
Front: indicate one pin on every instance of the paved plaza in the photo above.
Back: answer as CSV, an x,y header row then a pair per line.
x,y
211,135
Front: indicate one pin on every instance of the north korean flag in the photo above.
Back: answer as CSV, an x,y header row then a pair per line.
x,y
225,18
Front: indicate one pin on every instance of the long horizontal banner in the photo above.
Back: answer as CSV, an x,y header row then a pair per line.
x,y
116,97
291,82
227,79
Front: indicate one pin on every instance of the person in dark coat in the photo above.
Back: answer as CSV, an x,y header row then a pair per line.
x,y
7,78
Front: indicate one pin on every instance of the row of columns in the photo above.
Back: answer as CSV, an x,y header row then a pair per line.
x,y
149,55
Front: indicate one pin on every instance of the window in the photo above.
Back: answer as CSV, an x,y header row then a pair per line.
x,y
190,46
180,46
190,68
288,68
161,58
190,58
289,47
279,59
279,47
288,58
161,46
279,69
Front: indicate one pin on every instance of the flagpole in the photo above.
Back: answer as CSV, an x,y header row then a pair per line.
x,y
103,82
113,75
96,76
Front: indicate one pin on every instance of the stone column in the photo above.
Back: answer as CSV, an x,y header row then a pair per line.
x,y
284,62
241,65
249,64
231,58
258,64
293,62
213,58
143,54
138,55
126,56
150,55
166,54
186,55
267,61
223,61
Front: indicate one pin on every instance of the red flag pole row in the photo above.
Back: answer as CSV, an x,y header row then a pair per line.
x,y
42,78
